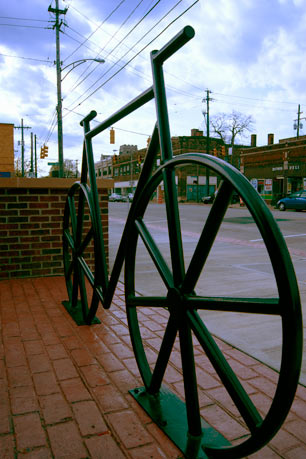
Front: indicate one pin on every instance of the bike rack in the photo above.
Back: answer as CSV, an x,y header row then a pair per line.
x,y
181,421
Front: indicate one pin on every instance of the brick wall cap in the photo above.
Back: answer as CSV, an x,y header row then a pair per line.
x,y
54,183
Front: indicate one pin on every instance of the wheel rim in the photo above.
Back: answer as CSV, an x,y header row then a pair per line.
x,y
180,292
80,249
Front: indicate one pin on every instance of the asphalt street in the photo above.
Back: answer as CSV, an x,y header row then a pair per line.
x,y
238,266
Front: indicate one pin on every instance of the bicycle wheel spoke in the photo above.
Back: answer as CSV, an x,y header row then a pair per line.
x,y
80,219
269,306
83,292
174,227
69,239
190,380
155,254
69,270
184,306
163,356
207,237
149,301
75,288
86,240
232,384
85,269
73,216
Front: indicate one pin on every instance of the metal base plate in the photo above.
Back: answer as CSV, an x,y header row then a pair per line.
x,y
169,413
77,313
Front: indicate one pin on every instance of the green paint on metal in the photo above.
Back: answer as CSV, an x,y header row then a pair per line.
x,y
88,286
169,413
77,313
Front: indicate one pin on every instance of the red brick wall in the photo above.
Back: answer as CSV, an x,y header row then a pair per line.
x,y
31,217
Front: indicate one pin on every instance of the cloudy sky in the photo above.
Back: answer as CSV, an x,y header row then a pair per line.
x,y
251,55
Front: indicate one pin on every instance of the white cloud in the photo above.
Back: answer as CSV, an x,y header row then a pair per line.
x,y
246,52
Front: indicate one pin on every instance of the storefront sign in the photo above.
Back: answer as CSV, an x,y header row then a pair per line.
x,y
278,168
268,184
294,167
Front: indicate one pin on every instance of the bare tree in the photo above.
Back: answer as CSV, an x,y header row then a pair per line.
x,y
69,168
230,126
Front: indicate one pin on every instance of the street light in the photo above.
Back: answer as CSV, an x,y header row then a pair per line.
x,y
79,62
59,103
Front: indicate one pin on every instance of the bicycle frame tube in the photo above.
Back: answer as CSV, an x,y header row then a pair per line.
x,y
160,137
120,255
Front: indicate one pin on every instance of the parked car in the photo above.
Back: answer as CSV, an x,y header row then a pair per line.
x,y
114,197
209,199
295,201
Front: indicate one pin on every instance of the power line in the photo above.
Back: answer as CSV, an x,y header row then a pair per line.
x,y
256,99
252,105
24,19
100,25
52,124
143,76
77,83
118,44
193,85
129,61
117,128
27,58
24,26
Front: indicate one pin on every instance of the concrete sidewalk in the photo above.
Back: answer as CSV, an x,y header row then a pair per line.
x,y
64,388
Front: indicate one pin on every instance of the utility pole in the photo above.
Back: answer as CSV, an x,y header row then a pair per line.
x,y
298,124
35,155
22,127
298,121
32,154
57,27
208,99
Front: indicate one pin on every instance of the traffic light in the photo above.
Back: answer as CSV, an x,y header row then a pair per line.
x,y
44,151
215,152
139,159
112,136
223,150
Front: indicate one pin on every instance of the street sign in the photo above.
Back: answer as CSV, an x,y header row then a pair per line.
x,y
53,164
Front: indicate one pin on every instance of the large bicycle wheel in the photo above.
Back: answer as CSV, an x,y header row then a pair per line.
x,y
186,309
81,249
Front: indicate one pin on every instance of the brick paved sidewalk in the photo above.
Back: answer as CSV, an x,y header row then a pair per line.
x,y
64,389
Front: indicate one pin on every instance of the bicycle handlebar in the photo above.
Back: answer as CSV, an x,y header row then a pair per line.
x,y
89,117
186,34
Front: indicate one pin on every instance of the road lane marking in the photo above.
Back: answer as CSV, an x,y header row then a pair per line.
x,y
289,235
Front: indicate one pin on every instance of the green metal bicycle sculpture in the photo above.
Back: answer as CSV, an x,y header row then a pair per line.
x,y
181,421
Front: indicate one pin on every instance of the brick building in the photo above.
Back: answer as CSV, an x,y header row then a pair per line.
x,y
275,169
6,149
192,181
